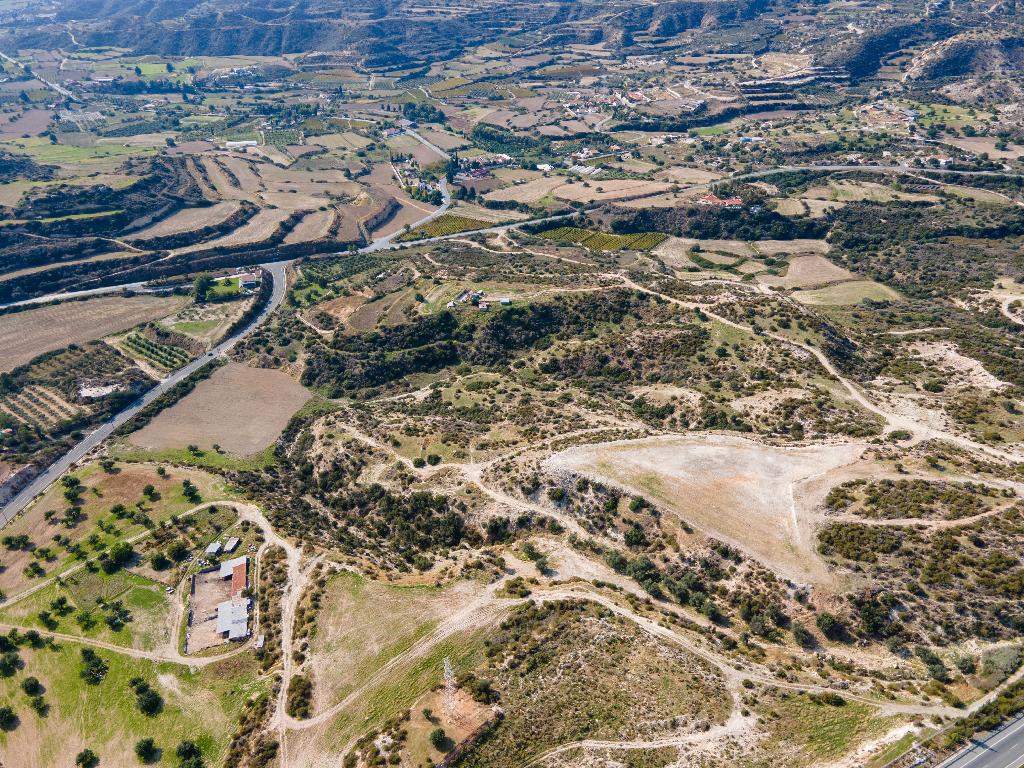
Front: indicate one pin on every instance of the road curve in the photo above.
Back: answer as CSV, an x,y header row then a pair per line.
x,y
385,242
101,433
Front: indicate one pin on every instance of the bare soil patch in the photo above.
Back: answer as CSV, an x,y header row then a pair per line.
x,y
343,306
314,226
684,175
799,207
979,144
255,230
480,213
209,591
188,220
242,409
529,192
613,189
962,371
808,272
712,250
443,139
776,247
221,183
31,121
734,489
243,171
24,335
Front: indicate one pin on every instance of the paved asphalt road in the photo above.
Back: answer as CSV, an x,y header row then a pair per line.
x,y
137,287
100,434
97,436
1003,749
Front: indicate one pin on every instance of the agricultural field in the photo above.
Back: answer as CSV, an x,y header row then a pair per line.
x,y
44,403
257,229
166,357
445,224
602,241
240,409
86,523
39,406
808,272
205,322
189,220
851,292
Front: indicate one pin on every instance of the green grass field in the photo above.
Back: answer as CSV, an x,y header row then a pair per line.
x,y
206,459
97,528
822,732
42,151
200,706
223,288
853,292
196,328
149,605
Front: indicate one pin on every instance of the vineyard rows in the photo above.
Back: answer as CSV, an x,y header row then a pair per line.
x,y
604,241
446,224
162,355
38,405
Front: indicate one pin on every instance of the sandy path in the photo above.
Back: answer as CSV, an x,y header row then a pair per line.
x,y
916,522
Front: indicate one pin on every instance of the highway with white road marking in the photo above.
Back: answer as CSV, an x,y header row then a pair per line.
x,y
1003,748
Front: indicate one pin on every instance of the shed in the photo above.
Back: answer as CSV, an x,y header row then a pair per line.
x,y
233,618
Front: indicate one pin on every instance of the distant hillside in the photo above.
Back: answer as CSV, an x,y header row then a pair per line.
x,y
387,32
969,54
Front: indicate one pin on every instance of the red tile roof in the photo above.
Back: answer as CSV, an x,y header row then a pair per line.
x,y
239,579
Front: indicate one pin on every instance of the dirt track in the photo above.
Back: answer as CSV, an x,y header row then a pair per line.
x,y
731,488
